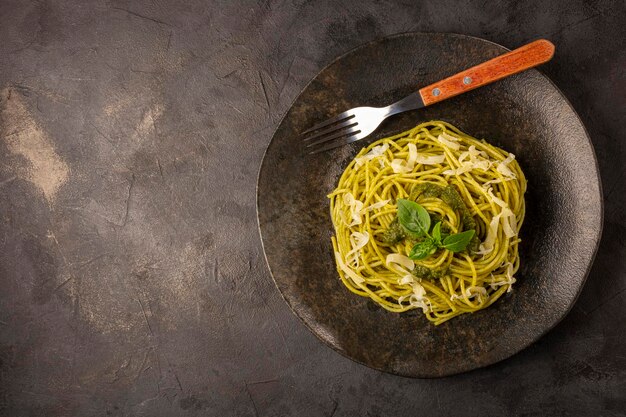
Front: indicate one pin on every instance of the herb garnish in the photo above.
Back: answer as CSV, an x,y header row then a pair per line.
x,y
415,220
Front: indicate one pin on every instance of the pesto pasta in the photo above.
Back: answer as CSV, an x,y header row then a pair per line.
x,y
429,219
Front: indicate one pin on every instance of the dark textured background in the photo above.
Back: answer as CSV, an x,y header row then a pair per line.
x,y
133,282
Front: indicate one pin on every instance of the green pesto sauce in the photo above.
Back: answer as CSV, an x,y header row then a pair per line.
x,y
435,218
450,196
430,274
474,245
394,233
426,190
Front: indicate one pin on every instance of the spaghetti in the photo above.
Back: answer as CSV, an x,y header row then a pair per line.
x,y
463,183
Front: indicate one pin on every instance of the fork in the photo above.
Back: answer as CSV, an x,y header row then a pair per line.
x,y
359,122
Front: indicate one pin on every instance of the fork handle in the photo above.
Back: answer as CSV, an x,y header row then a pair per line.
x,y
520,59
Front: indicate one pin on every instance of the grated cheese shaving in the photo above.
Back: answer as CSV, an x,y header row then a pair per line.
x,y
418,298
407,279
474,291
355,207
487,184
495,199
357,242
449,141
374,153
504,169
396,258
376,206
509,223
470,160
466,167
486,247
349,272
510,279
471,292
430,160
475,152
357,210
400,166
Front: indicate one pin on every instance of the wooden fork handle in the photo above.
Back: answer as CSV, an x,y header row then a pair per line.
x,y
520,59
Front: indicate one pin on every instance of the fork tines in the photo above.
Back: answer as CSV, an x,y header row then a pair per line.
x,y
342,126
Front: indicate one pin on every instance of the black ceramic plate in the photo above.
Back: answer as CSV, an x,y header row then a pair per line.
x,y
525,114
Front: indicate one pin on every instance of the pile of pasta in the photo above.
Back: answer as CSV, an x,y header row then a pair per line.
x,y
422,164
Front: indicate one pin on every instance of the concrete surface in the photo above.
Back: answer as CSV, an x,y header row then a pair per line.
x,y
133,282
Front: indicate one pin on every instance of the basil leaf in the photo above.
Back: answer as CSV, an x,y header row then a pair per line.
x,y
436,233
423,249
413,218
458,242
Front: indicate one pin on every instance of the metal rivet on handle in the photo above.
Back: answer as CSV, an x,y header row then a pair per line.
x,y
467,80
436,92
